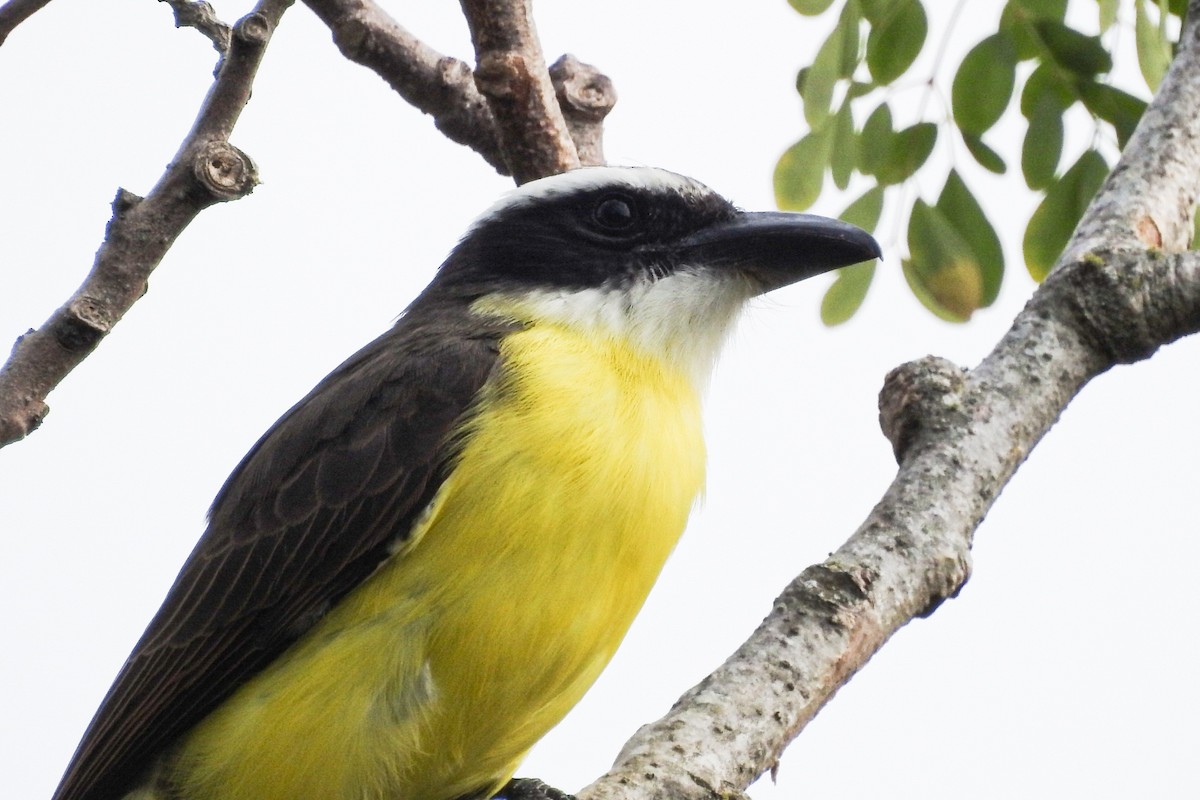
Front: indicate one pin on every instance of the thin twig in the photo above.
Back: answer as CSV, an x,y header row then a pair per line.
x,y
205,170
200,15
511,73
14,12
959,435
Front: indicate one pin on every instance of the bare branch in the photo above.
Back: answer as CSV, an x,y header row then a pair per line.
x,y
438,85
199,14
205,170
444,87
959,436
585,96
14,12
511,73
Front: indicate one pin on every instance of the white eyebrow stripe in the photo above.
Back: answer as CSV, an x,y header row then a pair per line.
x,y
584,179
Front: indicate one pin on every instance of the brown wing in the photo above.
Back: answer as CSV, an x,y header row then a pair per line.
x,y
309,513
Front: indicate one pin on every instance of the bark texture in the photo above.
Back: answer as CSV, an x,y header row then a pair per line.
x,y
446,88
511,73
207,169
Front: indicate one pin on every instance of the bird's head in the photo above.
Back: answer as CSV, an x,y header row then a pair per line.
x,y
647,255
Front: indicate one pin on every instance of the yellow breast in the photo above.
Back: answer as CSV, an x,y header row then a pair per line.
x,y
433,678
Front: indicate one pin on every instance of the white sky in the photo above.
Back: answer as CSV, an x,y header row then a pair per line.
x,y
1067,666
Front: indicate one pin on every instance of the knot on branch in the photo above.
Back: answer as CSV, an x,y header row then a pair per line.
x,y
253,30
832,591
1127,304
86,322
503,76
124,202
454,72
224,171
582,90
585,96
354,36
22,420
918,398
1110,304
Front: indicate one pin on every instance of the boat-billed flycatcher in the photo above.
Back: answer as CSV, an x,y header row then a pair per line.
x,y
428,560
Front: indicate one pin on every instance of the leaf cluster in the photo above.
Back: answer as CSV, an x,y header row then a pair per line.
x,y
955,264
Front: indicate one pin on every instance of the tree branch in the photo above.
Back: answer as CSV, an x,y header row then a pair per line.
x,y
511,73
438,85
14,12
205,170
445,87
585,96
1114,297
200,15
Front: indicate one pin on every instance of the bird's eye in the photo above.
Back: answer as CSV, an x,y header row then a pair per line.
x,y
615,213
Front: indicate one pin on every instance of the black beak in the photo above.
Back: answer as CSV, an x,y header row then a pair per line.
x,y
777,248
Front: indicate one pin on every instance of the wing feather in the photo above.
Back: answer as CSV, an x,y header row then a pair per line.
x,y
311,511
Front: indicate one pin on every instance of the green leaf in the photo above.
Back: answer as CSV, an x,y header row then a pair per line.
x,y
1043,9
1084,55
1017,21
988,158
802,80
847,292
875,11
1108,13
848,28
810,8
906,152
1119,109
848,289
959,207
818,84
983,85
875,140
800,172
844,148
858,89
1046,84
866,210
1153,51
916,282
942,269
1054,220
1042,147
895,42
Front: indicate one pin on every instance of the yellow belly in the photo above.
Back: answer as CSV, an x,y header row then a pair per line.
x,y
433,678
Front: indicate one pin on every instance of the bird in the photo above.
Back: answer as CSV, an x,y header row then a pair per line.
x,y
426,562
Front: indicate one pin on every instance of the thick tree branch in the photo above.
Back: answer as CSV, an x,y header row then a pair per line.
x,y
206,170
14,12
511,73
959,435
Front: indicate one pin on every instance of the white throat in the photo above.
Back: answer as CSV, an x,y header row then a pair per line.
x,y
682,318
